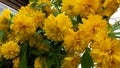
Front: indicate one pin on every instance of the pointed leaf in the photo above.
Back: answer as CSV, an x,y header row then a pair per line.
x,y
23,56
86,60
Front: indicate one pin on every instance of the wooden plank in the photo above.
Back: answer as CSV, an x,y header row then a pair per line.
x,y
16,4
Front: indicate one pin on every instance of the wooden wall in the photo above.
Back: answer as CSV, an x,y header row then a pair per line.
x,y
15,3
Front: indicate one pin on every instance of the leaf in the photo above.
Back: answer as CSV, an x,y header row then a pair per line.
x,y
40,32
86,60
114,28
117,27
55,13
43,5
33,0
50,61
47,42
38,6
2,35
37,52
33,5
53,60
23,56
43,63
79,19
23,61
2,63
5,63
11,17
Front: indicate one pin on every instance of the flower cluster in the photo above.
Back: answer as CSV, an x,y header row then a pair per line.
x,y
60,34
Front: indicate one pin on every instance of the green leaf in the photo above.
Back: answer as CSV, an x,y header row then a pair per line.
x,y
2,63
50,61
116,27
40,32
5,63
43,5
86,60
2,35
53,60
33,5
23,61
37,52
47,42
55,13
113,32
11,17
43,63
23,56
79,19
33,0
38,6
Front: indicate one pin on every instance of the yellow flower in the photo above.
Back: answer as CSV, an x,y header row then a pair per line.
x,y
38,18
99,36
4,19
23,26
118,1
87,7
16,62
57,27
37,15
71,62
76,41
93,24
107,2
70,7
107,8
48,10
10,50
4,23
6,13
26,10
38,63
107,54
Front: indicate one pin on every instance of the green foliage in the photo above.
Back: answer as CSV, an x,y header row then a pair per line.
x,y
55,13
55,55
49,59
86,60
38,6
5,63
33,0
57,4
23,56
115,30
37,52
76,21
38,32
11,17
2,35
